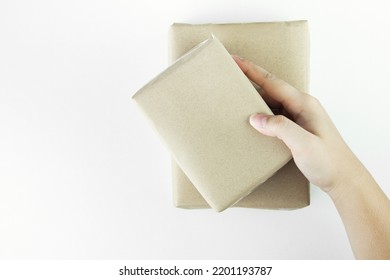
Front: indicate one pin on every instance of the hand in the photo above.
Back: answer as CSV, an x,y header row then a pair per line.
x,y
316,145
324,158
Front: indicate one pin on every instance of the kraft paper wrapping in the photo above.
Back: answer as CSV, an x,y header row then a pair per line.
x,y
283,49
200,107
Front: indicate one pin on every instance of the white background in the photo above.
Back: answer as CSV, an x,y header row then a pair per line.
x,y
82,174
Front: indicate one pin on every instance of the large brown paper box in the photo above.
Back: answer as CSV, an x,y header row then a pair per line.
x,y
200,108
283,49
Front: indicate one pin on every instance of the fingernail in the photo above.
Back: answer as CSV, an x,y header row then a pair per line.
x,y
258,121
263,121
237,57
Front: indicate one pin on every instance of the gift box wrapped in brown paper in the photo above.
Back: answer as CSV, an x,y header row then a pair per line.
x,y
200,107
283,49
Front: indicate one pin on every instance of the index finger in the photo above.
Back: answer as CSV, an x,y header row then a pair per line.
x,y
277,89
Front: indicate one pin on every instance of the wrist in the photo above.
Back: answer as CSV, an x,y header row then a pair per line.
x,y
350,181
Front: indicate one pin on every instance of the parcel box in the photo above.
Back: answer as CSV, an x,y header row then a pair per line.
x,y
283,49
200,108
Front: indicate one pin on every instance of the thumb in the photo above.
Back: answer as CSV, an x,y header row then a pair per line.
x,y
294,136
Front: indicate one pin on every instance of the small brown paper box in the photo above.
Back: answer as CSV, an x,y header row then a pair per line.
x,y
200,107
283,49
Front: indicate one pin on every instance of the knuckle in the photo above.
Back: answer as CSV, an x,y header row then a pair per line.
x,y
310,101
280,122
269,76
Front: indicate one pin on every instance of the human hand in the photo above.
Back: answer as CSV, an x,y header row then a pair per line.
x,y
325,159
305,127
